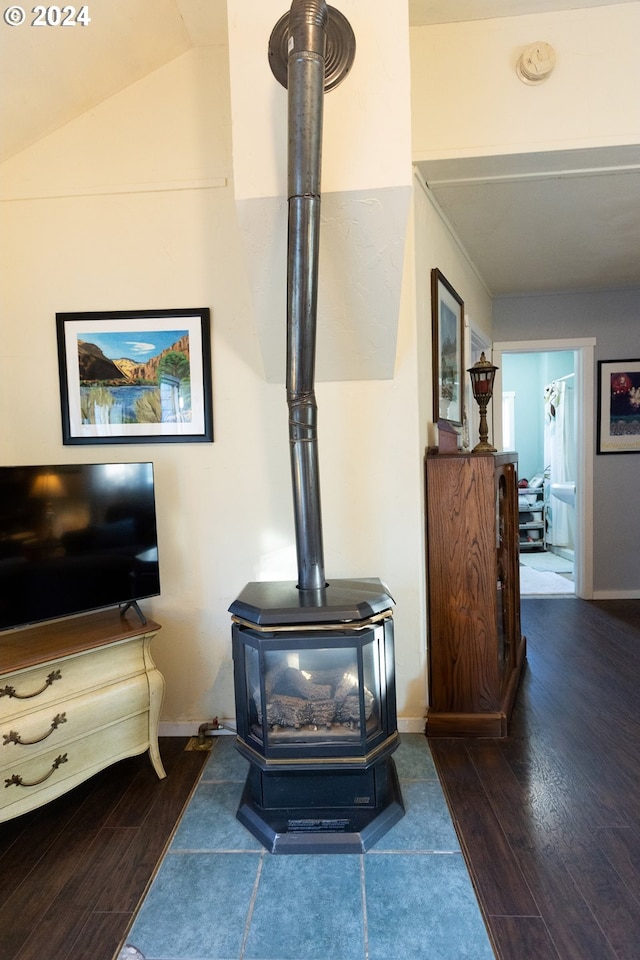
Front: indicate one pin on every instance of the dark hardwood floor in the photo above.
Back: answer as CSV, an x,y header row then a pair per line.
x,y
73,872
549,818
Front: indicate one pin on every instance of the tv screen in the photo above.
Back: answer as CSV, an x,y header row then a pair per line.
x,y
74,538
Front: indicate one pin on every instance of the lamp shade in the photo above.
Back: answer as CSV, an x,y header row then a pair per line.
x,y
47,486
482,376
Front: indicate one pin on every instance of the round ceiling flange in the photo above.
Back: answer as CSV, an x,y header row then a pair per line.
x,y
340,51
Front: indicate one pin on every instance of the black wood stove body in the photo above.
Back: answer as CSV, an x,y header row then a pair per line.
x,y
316,715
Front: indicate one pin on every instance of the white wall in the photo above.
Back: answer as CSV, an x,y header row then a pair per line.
x,y
471,103
366,188
131,206
438,246
367,117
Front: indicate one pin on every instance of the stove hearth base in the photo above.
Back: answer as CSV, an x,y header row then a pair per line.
x,y
319,822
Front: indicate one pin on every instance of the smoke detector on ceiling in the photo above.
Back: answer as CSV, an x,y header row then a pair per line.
x,y
536,62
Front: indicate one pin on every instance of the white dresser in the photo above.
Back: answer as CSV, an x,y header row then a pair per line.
x,y
75,696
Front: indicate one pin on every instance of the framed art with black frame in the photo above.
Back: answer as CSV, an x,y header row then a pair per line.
x,y
618,406
135,376
447,317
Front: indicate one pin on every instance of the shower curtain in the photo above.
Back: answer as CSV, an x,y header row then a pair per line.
x,y
559,458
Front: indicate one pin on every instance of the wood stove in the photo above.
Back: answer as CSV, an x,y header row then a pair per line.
x,y
316,715
313,661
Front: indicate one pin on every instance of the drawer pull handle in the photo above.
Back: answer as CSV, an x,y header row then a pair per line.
x,y
11,691
13,737
19,782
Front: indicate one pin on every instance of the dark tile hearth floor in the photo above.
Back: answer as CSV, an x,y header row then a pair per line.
x,y
219,896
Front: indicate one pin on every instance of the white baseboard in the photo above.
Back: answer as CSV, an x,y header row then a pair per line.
x,y
189,728
411,724
616,595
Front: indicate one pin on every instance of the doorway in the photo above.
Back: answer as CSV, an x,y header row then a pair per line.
x,y
538,420
547,397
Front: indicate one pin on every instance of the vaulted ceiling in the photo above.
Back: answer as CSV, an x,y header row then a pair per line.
x,y
51,76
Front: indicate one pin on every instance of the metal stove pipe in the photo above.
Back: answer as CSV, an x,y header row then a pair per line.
x,y
305,85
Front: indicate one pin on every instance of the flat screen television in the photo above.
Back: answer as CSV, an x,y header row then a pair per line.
x,y
75,538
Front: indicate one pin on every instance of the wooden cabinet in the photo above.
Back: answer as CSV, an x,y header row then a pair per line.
x,y
476,649
75,696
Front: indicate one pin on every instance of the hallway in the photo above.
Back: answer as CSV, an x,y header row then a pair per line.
x,y
549,818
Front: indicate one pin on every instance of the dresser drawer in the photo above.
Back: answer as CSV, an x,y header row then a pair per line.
x,y
27,690
30,782
39,732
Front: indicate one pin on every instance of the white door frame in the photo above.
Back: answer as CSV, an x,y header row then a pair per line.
x,y
584,350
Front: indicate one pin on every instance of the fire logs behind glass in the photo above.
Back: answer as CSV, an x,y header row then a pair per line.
x,y
323,698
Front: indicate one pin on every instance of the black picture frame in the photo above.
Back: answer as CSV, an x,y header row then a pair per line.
x,y
447,323
618,406
135,376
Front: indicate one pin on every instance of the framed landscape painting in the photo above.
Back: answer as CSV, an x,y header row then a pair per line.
x,y
135,376
618,406
447,318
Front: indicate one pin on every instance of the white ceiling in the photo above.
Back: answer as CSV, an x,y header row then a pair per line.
x,y
547,223
51,75
451,11
528,230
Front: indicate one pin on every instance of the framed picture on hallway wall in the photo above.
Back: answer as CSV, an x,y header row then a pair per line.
x,y
447,319
137,376
618,406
